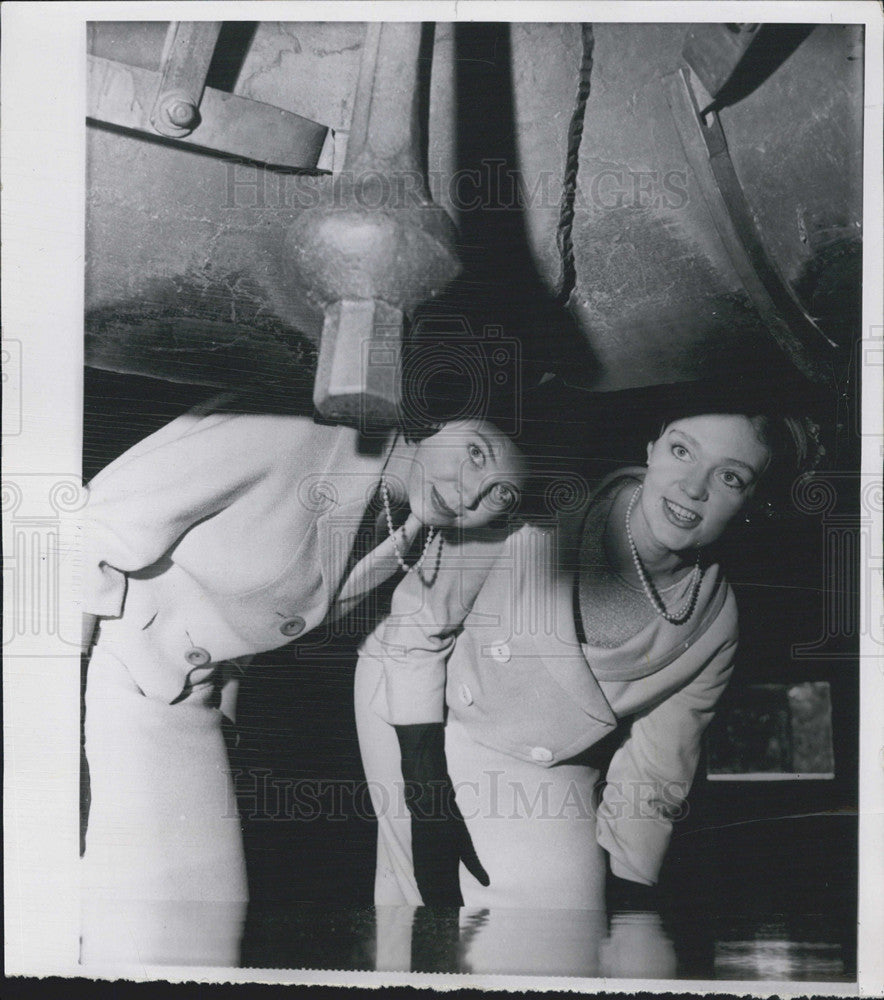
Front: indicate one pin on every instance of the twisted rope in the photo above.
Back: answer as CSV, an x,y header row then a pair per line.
x,y
572,164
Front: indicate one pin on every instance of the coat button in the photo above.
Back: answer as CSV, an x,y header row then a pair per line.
x,y
197,657
466,695
501,652
292,626
541,754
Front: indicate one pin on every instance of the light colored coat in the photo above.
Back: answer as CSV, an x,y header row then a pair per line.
x,y
220,536
494,638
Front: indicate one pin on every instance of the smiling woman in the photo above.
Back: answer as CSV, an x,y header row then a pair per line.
x,y
230,532
701,473
609,616
464,475
461,477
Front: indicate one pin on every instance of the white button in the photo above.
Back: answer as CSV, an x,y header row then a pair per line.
x,y
196,656
292,627
541,754
501,652
466,695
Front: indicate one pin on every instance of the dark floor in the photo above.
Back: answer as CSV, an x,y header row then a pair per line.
x,y
757,872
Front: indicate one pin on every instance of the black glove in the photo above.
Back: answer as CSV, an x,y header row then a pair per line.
x,y
626,895
439,836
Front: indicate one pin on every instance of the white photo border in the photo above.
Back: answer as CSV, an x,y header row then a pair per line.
x,y
43,174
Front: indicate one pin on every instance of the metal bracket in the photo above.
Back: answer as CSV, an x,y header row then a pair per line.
x,y
187,55
122,95
707,153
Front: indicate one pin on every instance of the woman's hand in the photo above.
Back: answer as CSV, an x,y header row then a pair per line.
x,y
439,836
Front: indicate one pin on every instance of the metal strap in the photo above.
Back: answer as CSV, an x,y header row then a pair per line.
x,y
187,55
705,146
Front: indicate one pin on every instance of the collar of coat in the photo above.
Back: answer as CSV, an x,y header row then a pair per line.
x,y
555,554
341,493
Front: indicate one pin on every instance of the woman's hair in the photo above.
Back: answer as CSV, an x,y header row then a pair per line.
x,y
793,440
574,438
559,427
457,380
470,380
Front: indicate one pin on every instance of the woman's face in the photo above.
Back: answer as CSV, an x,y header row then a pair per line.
x,y
701,473
465,475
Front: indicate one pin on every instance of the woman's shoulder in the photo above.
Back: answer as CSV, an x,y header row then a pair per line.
x,y
220,434
279,434
601,497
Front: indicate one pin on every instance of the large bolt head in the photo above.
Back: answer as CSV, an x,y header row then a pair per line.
x,y
175,115
182,113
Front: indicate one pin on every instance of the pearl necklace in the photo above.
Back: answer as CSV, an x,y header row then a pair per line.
x,y
431,534
680,616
